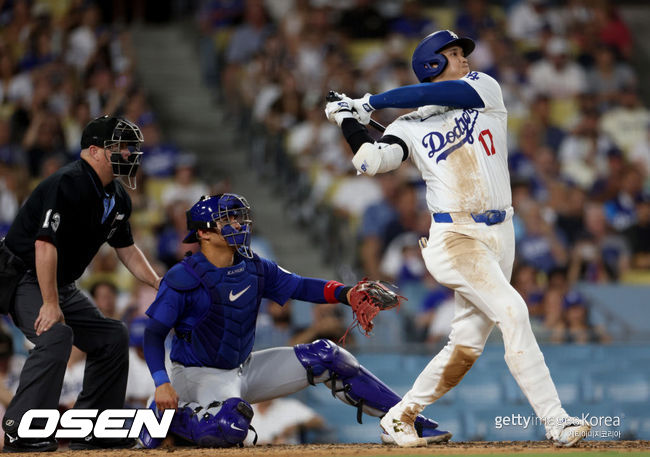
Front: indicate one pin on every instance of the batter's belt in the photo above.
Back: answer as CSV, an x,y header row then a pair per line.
x,y
490,217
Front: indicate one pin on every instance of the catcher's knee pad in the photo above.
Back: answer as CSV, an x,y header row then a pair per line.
x,y
349,381
220,424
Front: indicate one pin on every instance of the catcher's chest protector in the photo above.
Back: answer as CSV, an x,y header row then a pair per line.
x,y
224,335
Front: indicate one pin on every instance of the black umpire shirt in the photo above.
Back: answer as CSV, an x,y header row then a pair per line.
x,y
72,210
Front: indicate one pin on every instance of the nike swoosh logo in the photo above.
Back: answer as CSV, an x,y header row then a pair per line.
x,y
233,426
234,297
11,438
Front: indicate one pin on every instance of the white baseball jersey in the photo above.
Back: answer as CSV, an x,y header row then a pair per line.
x,y
461,153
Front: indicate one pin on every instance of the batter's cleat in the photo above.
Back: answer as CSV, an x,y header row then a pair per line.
x,y
432,436
400,427
573,431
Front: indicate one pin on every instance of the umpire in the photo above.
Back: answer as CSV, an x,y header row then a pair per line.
x,y
56,234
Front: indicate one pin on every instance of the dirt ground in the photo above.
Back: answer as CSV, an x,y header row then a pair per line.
x,y
350,450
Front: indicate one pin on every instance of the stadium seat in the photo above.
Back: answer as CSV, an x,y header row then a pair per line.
x,y
618,386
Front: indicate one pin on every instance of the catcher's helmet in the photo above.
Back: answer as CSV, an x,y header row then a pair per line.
x,y
427,61
220,212
113,134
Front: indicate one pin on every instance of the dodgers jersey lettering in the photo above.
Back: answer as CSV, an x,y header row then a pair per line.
x,y
461,153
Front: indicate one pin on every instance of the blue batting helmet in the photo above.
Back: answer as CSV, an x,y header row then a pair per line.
x,y
220,212
427,61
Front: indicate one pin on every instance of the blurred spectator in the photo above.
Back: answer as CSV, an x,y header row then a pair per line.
x,y
525,281
160,158
273,326
598,255
412,23
626,124
583,153
104,294
540,111
474,17
83,40
170,249
186,188
541,246
570,214
526,21
611,29
556,75
553,325
363,20
6,352
139,386
578,328
639,156
283,421
638,234
402,261
74,379
327,322
608,77
620,210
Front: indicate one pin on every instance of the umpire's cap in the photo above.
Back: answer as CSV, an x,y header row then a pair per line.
x,y
103,130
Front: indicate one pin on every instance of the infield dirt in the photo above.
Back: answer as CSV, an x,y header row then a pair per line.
x,y
371,449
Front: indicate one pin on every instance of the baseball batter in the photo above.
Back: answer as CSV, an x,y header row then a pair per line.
x,y
211,299
457,139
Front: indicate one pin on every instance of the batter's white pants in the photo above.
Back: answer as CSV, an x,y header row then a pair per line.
x,y
475,260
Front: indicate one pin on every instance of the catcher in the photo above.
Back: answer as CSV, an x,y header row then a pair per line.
x,y
211,299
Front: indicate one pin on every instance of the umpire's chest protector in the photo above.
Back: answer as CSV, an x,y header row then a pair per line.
x,y
224,334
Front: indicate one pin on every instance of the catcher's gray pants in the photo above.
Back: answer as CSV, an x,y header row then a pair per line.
x,y
265,375
105,341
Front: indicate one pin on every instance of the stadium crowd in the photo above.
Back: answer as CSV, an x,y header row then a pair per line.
x,y
579,145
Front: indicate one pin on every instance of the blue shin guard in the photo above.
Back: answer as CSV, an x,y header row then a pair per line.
x,y
352,383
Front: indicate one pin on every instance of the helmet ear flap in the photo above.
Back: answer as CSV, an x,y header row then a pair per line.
x,y
436,65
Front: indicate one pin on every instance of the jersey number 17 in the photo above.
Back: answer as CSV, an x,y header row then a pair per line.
x,y
482,138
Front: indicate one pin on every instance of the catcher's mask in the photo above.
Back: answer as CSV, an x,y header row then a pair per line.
x,y
123,141
221,212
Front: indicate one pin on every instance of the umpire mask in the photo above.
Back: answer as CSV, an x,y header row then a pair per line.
x,y
125,151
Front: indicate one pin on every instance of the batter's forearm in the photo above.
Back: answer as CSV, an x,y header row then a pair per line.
x,y
133,258
46,259
355,133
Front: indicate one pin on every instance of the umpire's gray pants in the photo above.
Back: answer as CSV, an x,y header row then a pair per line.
x,y
105,341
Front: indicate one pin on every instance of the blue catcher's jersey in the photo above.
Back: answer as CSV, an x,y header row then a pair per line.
x,y
214,310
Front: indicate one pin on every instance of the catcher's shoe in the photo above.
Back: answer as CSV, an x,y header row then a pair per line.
x,y
570,432
400,428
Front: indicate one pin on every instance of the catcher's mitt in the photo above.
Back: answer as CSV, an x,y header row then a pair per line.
x,y
367,298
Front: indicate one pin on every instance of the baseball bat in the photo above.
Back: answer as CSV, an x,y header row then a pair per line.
x,y
333,96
